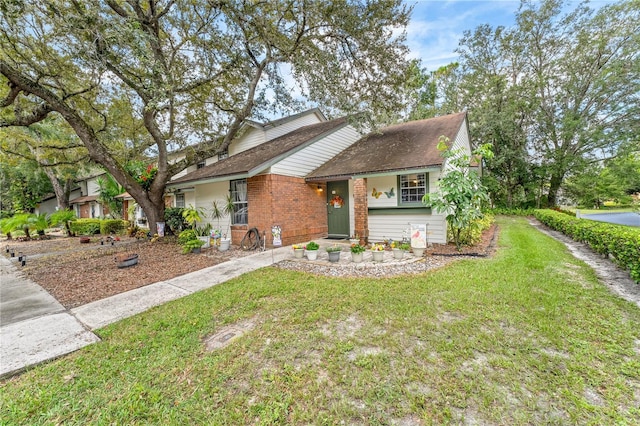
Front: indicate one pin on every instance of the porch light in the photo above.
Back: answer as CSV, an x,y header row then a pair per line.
x,y
320,188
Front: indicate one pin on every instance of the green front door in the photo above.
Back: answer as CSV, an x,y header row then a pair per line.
x,y
338,209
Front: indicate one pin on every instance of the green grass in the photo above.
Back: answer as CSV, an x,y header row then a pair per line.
x,y
527,337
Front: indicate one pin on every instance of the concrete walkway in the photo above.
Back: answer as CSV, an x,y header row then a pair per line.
x,y
35,328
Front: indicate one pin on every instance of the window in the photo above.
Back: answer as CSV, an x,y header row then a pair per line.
x,y
201,164
240,206
180,200
412,188
224,154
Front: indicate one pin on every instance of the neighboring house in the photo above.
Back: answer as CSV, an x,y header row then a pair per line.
x,y
322,179
265,174
85,202
378,182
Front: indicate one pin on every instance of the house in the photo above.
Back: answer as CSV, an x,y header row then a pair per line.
x,y
84,200
265,173
375,187
315,178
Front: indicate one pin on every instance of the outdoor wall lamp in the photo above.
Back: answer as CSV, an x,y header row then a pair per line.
x,y
320,188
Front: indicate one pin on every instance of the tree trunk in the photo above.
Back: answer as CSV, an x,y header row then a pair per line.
x,y
554,187
62,193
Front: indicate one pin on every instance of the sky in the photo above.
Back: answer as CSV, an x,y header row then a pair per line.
x,y
437,26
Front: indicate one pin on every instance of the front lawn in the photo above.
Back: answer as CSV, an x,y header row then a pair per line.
x,y
526,337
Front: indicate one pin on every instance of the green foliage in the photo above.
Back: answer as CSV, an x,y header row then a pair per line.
x,y
461,195
472,233
332,249
192,215
357,248
113,226
175,220
187,235
109,189
514,211
312,246
85,226
40,223
621,242
203,231
191,244
63,217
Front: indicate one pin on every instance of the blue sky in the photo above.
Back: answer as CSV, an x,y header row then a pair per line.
x,y
436,26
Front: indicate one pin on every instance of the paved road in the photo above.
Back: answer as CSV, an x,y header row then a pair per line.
x,y
629,219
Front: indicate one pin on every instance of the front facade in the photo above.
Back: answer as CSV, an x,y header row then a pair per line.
x,y
84,200
316,178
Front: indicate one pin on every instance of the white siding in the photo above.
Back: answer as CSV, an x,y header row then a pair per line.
x,y
253,137
382,184
381,227
461,142
310,158
92,186
205,194
289,126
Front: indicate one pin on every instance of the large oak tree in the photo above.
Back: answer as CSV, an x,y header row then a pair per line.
x,y
146,77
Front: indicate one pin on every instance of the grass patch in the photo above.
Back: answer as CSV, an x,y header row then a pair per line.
x,y
527,337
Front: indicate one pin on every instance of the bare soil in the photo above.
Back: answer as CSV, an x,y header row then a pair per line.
x,y
76,274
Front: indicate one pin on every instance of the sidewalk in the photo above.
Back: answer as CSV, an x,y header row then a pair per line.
x,y
35,328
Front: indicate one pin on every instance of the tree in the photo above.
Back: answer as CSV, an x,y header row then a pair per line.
x,y
461,195
557,91
140,78
23,184
53,146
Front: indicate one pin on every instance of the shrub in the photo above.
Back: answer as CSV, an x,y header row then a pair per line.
x,y
85,226
472,233
187,235
511,211
112,226
174,220
622,243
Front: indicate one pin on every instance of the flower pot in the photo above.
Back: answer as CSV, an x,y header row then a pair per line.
x,y
378,256
354,240
312,254
334,256
195,250
85,240
398,253
126,260
207,241
298,253
224,244
357,257
417,252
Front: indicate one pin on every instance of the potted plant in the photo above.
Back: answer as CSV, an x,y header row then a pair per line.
x,y
377,251
298,250
203,234
228,210
334,253
357,253
192,215
312,250
399,249
192,246
354,239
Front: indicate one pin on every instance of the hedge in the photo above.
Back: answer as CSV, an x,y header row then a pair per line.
x,y
85,226
621,243
113,226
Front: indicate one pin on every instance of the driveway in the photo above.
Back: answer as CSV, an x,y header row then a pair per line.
x,y
629,219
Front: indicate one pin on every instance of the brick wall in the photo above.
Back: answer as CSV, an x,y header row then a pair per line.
x,y
361,209
299,208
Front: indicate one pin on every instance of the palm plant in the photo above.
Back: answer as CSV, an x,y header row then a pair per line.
x,y
62,216
109,190
192,215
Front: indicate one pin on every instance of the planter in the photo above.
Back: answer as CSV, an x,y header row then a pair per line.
x,y
206,240
224,244
127,260
378,256
196,250
312,254
334,256
298,253
357,257
398,253
354,240
417,252
85,240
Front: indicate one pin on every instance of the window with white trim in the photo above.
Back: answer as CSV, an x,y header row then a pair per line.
x,y
201,165
412,188
224,154
180,200
238,190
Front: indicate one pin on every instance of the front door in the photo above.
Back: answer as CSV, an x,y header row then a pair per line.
x,y
338,209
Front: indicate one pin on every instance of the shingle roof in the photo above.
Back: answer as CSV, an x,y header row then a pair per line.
x,y
259,157
399,147
85,199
